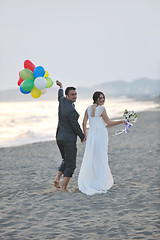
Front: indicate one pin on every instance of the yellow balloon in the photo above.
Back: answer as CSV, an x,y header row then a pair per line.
x,y
36,93
46,74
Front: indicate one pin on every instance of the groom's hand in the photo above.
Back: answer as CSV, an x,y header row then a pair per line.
x,y
59,84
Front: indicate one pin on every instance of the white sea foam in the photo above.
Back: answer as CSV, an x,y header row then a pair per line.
x,y
30,122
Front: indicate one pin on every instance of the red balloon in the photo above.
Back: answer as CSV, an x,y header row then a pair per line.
x,y
29,65
20,80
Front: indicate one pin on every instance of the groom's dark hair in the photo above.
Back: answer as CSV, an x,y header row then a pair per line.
x,y
68,89
96,96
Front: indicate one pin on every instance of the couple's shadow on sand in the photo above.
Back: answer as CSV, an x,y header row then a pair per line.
x,y
55,190
72,190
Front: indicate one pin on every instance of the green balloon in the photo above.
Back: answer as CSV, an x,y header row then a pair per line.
x,y
26,74
49,82
27,85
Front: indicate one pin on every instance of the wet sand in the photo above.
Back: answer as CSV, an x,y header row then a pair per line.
x,y
31,208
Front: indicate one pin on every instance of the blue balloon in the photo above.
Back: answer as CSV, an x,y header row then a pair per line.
x,y
38,72
23,91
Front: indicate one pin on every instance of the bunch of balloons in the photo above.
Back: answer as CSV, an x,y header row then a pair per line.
x,y
34,80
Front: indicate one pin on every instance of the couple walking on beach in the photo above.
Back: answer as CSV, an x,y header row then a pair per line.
x,y
95,175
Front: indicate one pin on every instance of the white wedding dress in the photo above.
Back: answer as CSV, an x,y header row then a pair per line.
x,y
95,175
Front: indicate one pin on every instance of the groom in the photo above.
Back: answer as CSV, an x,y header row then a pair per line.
x,y
67,131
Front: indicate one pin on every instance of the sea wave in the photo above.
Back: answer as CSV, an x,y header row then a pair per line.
x,y
31,122
27,137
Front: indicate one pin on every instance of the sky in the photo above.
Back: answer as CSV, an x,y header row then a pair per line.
x,y
82,43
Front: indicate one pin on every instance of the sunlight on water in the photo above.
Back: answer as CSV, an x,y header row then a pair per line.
x,y
29,122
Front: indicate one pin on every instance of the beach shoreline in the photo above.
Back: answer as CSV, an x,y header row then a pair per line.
x,y
40,137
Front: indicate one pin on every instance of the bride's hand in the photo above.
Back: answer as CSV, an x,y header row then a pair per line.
x,y
83,140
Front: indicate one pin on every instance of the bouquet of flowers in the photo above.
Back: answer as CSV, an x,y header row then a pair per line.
x,y
130,116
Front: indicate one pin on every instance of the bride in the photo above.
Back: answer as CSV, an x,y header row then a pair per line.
x,y
95,175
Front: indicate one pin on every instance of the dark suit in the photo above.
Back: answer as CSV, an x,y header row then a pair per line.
x,y
67,131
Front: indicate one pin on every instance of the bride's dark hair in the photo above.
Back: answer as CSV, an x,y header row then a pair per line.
x,y
96,96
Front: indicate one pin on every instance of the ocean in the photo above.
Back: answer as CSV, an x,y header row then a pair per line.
x,y
30,122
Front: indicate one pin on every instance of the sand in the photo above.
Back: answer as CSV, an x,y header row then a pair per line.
x,y
31,208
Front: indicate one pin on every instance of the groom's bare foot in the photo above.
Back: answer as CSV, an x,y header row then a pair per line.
x,y
65,190
56,183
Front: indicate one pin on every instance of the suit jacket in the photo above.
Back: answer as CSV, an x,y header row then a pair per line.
x,y
68,127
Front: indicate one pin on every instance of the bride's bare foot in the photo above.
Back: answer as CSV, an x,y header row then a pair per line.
x,y
56,183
